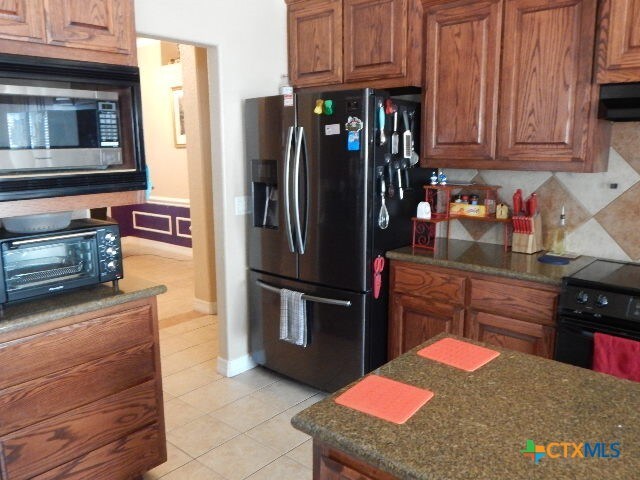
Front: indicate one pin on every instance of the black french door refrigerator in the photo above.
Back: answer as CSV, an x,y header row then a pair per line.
x,y
316,199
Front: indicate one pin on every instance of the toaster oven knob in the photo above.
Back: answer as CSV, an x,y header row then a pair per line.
x,y
582,298
109,237
110,251
602,301
111,266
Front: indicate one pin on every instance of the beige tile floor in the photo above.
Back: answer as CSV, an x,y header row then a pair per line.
x,y
217,428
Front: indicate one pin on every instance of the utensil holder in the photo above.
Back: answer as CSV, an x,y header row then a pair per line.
x,y
529,242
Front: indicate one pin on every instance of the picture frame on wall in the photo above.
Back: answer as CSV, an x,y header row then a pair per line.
x,y
180,137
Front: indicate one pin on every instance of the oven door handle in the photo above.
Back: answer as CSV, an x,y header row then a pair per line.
x,y
31,241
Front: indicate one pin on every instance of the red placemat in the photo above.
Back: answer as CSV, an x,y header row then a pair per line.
x,y
459,354
384,398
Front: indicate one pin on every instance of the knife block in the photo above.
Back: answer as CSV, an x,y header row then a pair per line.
x,y
529,242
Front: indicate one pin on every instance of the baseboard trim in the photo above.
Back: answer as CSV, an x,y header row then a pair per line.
x,y
164,247
202,306
231,368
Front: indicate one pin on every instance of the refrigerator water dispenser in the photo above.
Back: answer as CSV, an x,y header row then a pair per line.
x,y
264,182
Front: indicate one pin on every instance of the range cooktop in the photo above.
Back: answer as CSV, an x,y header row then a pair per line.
x,y
610,274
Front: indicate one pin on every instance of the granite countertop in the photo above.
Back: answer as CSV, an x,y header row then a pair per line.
x,y
490,259
38,311
477,423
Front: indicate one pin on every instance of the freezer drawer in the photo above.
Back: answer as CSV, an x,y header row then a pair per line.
x,y
336,351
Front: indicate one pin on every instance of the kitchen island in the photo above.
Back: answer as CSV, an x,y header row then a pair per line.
x,y
80,385
477,424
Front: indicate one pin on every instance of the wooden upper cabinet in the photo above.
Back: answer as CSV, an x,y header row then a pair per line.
x,y
88,30
461,75
546,90
315,42
375,40
372,43
103,25
619,41
22,20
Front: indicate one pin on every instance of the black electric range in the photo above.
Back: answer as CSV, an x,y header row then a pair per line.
x,y
602,297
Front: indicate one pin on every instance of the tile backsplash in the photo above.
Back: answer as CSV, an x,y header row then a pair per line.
x,y
602,209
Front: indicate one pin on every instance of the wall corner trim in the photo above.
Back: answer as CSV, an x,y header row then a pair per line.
x,y
231,368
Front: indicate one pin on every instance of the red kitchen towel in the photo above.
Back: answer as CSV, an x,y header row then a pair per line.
x,y
384,398
616,356
459,354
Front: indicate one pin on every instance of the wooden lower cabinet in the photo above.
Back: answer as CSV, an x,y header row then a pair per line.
x,y
332,464
499,311
82,397
511,333
417,319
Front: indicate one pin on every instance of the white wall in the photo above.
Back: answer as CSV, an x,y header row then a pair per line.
x,y
166,162
250,56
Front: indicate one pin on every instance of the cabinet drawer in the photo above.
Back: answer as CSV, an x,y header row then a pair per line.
x,y
32,402
129,456
514,301
51,443
42,354
420,281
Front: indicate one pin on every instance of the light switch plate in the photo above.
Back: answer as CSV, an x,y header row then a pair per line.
x,y
242,205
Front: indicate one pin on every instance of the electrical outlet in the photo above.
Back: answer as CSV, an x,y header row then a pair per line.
x,y
242,205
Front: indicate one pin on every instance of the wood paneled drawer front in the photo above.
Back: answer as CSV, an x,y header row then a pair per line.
x,y
418,280
54,442
124,458
521,336
32,402
44,353
514,301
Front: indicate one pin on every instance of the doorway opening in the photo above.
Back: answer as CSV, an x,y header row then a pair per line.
x,y
170,238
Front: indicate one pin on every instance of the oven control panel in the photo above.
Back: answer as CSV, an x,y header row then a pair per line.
x,y
110,253
599,303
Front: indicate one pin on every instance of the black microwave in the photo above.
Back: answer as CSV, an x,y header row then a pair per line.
x,y
69,128
87,252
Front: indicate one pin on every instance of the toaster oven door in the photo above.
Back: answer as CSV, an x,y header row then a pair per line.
x,y
47,265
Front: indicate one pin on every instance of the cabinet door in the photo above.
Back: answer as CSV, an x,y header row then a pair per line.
x,y
22,20
510,333
545,97
315,42
461,74
102,25
415,320
619,41
375,39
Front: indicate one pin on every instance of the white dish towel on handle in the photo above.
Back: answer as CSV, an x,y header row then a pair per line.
x,y
293,317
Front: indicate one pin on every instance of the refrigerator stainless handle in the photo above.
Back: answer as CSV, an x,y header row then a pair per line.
x,y
308,298
287,204
296,190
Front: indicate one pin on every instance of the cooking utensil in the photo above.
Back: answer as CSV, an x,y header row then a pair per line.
x,y
387,162
378,267
383,216
398,167
381,121
517,203
395,138
406,137
532,205
390,107
414,155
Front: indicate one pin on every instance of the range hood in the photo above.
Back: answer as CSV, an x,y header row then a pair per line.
x,y
620,102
